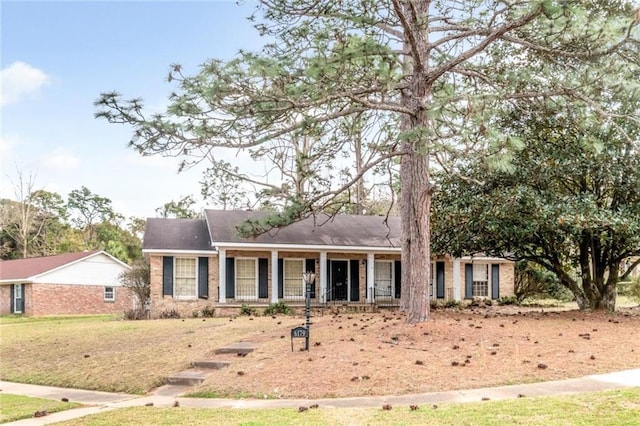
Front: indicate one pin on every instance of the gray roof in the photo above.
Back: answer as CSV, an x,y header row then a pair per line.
x,y
176,234
340,230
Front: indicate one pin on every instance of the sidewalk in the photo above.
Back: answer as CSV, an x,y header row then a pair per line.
x,y
167,395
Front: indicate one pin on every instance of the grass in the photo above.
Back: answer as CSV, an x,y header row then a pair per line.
x,y
601,408
16,407
109,354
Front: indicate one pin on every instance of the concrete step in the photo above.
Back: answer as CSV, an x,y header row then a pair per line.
x,y
189,377
212,364
237,348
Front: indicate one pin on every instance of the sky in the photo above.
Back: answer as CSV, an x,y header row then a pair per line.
x,y
58,56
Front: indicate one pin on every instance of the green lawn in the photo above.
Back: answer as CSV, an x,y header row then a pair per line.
x,y
17,407
602,408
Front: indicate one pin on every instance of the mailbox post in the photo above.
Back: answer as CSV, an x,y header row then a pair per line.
x,y
309,278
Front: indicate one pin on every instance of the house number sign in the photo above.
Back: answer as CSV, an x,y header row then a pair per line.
x,y
298,332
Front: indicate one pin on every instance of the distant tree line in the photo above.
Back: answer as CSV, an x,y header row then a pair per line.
x,y
42,223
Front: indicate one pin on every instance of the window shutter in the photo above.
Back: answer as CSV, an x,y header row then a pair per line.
x,y
12,297
310,266
329,288
440,280
167,276
203,277
280,278
263,278
355,280
468,281
398,278
230,284
495,281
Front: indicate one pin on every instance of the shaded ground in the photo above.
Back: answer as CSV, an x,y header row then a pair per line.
x,y
368,354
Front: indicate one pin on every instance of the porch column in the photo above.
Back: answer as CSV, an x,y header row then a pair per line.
x,y
274,276
456,280
370,272
222,275
324,276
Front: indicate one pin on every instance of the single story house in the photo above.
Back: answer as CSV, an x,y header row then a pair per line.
x,y
65,284
197,263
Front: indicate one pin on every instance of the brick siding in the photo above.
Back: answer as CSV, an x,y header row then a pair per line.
x,y
55,299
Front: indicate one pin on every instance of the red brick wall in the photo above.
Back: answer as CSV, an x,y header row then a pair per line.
x,y
5,299
53,299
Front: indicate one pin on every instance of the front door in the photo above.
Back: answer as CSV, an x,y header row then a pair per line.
x,y
339,279
18,298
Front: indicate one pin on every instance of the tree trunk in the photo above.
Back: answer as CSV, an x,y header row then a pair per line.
x,y
415,201
417,236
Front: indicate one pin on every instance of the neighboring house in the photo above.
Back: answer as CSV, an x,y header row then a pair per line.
x,y
65,284
356,260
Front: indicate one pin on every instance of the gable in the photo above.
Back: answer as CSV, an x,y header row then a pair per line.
x,y
99,269
23,269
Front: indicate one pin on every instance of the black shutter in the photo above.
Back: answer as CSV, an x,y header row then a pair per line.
x,y
280,278
263,278
167,276
398,278
310,266
355,280
440,280
230,279
329,288
468,281
203,277
495,281
12,299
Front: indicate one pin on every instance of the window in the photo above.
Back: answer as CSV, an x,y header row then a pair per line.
x,y
109,294
383,278
246,278
185,278
433,279
293,282
480,280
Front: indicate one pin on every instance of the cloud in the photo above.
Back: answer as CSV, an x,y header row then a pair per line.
x,y
20,80
61,161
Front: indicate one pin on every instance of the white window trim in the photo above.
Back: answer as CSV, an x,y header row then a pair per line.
x,y
175,270
284,276
235,278
16,298
489,277
113,294
393,272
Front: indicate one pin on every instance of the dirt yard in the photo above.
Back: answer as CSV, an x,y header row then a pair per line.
x,y
368,354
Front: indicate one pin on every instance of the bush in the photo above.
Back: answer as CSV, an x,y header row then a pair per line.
x,y
247,310
208,312
451,303
532,281
633,290
508,300
135,314
560,292
278,308
168,314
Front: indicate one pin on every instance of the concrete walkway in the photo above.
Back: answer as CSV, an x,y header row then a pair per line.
x,y
166,396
